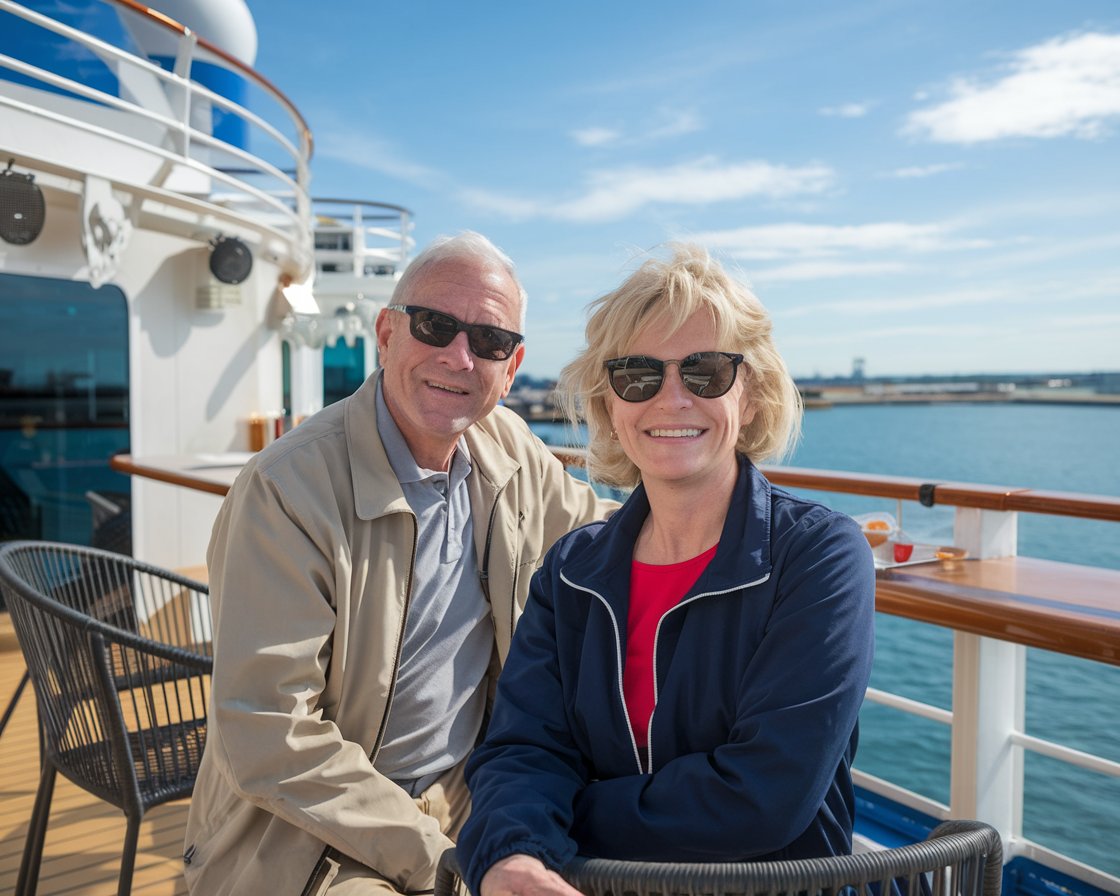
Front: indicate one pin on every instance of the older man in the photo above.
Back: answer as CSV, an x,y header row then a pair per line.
x,y
367,571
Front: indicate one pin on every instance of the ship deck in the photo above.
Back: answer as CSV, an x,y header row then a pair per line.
x,y
84,836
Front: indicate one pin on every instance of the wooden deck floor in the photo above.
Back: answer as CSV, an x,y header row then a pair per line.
x,y
84,836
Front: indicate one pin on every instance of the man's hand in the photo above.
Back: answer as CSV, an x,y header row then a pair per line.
x,y
520,875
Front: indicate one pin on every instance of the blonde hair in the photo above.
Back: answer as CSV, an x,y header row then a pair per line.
x,y
664,295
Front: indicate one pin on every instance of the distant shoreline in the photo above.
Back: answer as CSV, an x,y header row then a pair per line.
x,y
828,398
825,399
533,398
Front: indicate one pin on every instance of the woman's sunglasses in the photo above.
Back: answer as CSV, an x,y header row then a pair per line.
x,y
706,374
439,329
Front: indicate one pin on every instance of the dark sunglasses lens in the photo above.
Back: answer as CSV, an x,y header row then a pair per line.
x,y
708,374
491,343
638,380
433,328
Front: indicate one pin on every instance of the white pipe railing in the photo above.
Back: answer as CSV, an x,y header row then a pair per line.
x,y
282,211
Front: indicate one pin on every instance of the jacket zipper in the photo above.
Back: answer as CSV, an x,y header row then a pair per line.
x,y
484,566
656,640
619,661
319,871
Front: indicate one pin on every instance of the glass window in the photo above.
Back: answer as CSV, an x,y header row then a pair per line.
x,y
344,369
63,409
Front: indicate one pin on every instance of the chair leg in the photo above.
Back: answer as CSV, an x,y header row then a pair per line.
x,y
28,880
15,699
128,856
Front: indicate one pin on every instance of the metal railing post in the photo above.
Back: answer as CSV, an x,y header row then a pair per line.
x,y
986,768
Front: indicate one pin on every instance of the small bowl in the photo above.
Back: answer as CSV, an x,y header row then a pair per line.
x,y
950,556
878,528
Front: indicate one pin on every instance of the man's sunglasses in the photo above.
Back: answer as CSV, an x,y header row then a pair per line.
x,y
438,329
706,374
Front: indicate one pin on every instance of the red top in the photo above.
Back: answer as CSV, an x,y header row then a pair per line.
x,y
654,590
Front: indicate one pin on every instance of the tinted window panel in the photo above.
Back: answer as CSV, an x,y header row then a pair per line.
x,y
63,407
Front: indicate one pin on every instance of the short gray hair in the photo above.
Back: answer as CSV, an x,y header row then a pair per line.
x,y
466,245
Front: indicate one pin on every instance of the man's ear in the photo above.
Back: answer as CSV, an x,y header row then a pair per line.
x,y
511,371
383,327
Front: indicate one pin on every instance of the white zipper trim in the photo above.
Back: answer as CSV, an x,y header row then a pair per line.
x,y
656,638
656,641
618,660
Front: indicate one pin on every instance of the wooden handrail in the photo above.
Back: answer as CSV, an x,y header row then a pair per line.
x,y
954,494
940,492
947,493
1063,607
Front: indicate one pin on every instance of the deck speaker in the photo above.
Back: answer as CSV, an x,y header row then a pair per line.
x,y
230,259
22,210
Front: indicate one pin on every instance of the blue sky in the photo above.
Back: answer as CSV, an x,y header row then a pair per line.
x,y
933,187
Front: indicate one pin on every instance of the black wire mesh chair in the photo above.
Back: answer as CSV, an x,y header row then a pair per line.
x,y
119,657
958,858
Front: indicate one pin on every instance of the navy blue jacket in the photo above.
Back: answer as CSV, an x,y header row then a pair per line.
x,y
761,669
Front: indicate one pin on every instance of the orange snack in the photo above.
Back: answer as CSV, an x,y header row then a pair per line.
x,y
876,532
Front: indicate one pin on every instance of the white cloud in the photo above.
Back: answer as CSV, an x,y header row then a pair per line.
x,y
1095,322
1010,300
825,270
846,110
507,206
1068,86
595,136
780,241
919,171
911,304
921,331
674,123
614,193
667,123
373,154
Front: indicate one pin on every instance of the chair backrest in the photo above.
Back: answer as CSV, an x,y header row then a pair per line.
x,y
111,528
119,657
959,858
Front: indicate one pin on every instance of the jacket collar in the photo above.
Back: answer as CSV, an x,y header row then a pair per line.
x,y
743,557
376,489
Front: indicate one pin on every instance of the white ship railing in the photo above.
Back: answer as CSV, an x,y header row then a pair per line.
x,y
167,115
374,238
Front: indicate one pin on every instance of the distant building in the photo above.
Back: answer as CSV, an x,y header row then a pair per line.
x,y
1109,384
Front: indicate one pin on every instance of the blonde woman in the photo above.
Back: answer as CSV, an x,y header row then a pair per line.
x,y
686,680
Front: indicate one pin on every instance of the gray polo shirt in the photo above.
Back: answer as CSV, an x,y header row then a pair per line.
x,y
440,696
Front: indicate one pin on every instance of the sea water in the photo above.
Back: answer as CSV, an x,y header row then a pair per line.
x,y
1070,701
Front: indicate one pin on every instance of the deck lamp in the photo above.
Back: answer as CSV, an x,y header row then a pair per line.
x,y
22,209
230,259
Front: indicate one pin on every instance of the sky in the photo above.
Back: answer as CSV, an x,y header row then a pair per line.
x,y
931,187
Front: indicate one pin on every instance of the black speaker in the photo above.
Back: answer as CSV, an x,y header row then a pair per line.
x,y
22,209
230,259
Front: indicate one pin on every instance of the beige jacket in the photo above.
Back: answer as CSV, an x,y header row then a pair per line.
x,y
310,567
